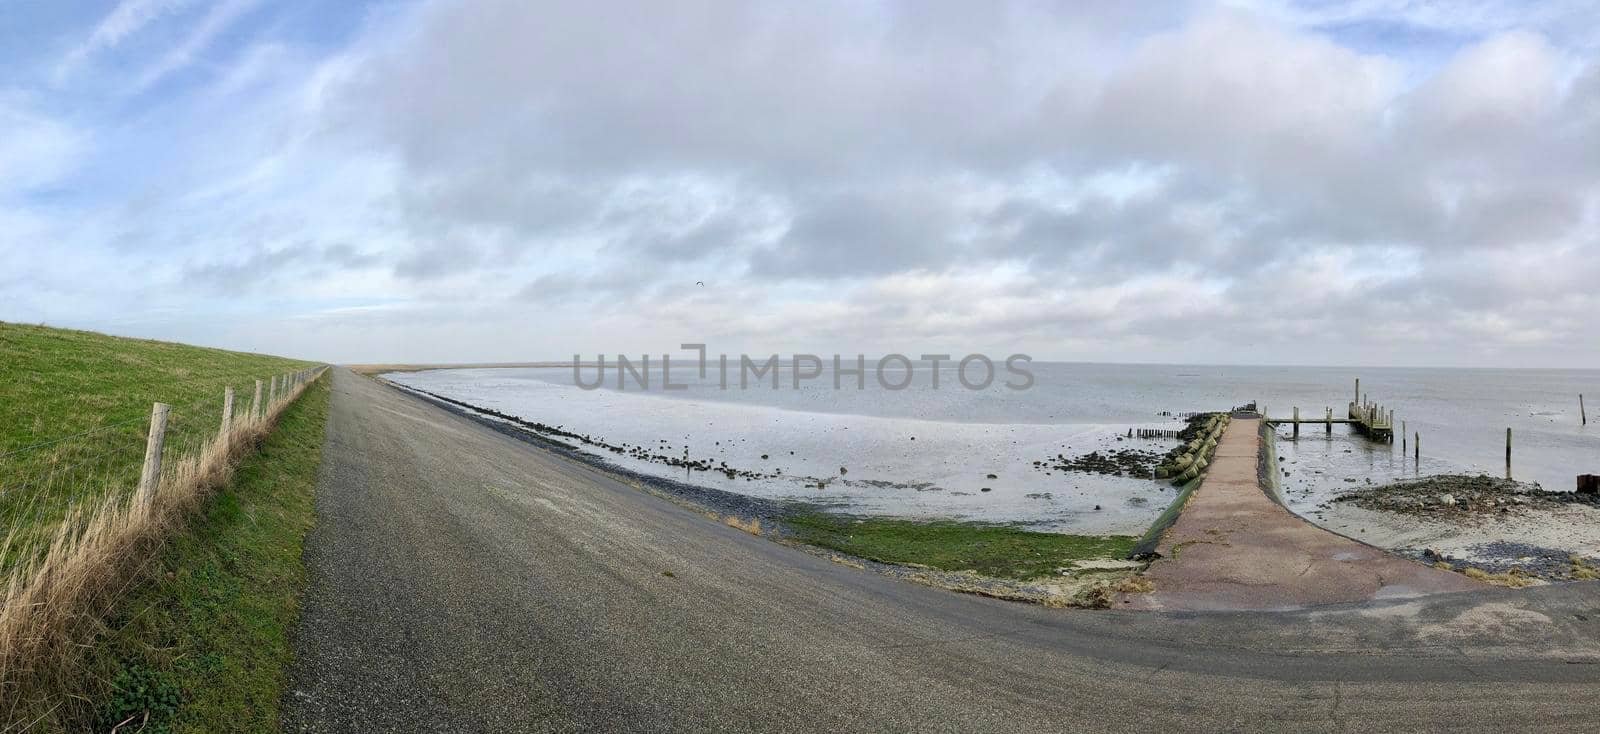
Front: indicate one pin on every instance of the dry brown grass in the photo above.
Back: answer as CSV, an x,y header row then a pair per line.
x,y
1103,593
1515,578
751,526
54,606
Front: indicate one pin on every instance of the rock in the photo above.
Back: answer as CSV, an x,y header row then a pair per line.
x,y
985,489
1097,508
1447,500
991,476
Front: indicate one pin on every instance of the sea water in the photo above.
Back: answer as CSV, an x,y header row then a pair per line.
x,y
951,452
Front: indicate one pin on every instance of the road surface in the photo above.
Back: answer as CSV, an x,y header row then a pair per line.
x,y
462,580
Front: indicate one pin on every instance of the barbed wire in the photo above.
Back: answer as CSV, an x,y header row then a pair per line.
x,y
53,441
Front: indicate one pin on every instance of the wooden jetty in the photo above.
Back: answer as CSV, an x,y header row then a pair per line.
x,y
1369,419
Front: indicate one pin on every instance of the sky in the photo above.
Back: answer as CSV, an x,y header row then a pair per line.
x,y
1381,182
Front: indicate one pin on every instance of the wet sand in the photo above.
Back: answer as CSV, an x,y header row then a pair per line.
x,y
1495,532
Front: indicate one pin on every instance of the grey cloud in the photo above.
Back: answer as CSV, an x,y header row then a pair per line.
x,y
842,144
265,267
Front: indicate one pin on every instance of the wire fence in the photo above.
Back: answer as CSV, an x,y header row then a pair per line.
x,y
52,483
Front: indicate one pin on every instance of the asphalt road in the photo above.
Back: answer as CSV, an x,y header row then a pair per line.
x,y
462,580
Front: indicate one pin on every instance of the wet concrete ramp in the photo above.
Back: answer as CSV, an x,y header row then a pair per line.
x,y
1235,548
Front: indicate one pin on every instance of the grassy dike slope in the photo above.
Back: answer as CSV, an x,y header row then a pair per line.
x,y
57,383
196,635
204,646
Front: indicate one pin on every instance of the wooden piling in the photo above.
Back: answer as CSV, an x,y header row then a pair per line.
x,y
150,475
1297,422
1508,452
1329,425
1581,412
1357,400
1416,443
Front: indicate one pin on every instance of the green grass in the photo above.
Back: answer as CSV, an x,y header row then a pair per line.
x,y
992,550
56,384
204,644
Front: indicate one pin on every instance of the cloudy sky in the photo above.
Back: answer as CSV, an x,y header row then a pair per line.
x,y
1379,182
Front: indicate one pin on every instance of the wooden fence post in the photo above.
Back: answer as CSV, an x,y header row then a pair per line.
x,y
227,412
255,403
150,475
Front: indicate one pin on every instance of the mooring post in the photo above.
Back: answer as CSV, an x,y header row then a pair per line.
x,y
1297,422
1329,425
150,475
1508,452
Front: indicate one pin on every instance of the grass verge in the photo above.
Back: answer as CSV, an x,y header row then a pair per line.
x,y
203,645
992,550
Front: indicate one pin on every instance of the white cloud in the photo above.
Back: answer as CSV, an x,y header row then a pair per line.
x,y
1101,182
126,19
205,32
1501,90
36,150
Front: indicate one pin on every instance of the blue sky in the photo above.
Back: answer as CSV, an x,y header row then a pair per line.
x,y
431,180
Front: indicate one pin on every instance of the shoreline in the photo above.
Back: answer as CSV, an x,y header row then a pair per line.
x,y
1473,524
372,370
1094,588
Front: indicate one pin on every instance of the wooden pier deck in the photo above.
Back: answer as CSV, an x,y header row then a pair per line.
x,y
1369,419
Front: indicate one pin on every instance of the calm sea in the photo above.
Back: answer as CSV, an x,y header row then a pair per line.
x,y
925,452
